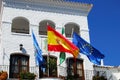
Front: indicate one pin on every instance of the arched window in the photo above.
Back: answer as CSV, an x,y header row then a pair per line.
x,y
49,68
20,25
43,26
70,28
19,62
75,68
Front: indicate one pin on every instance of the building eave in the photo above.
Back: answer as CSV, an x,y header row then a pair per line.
x,y
58,6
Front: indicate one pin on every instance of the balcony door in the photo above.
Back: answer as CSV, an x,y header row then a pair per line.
x,y
49,68
75,69
19,62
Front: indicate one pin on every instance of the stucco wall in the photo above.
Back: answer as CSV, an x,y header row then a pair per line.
x,y
0,24
11,41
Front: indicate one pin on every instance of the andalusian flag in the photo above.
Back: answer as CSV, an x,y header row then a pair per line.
x,y
62,55
57,42
63,31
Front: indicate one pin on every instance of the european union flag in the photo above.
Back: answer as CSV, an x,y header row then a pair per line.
x,y
93,54
38,52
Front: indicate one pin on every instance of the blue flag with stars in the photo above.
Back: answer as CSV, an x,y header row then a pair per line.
x,y
85,48
38,52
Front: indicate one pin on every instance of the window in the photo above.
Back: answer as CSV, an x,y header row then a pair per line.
x,y
43,26
19,62
49,68
70,28
20,25
75,69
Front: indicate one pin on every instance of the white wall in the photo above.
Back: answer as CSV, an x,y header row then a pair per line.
x,y
1,7
11,41
34,18
110,72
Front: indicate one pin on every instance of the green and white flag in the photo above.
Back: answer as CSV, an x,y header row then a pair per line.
x,y
62,57
62,54
63,31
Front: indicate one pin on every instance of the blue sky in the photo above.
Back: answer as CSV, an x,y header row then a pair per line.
x,y
104,26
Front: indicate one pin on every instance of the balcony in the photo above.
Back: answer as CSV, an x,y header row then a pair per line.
x,y
87,73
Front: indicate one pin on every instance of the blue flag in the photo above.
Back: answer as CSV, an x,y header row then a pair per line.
x,y
38,52
85,48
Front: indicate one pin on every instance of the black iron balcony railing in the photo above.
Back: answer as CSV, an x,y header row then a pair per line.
x,y
88,74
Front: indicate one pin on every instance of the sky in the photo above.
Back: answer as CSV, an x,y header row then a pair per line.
x,y
104,27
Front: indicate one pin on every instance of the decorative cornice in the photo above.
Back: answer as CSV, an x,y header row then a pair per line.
x,y
59,6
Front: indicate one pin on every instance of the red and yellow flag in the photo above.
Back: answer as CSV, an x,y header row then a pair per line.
x,y
57,42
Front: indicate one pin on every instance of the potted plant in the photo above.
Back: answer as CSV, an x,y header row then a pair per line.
x,y
99,78
27,75
3,75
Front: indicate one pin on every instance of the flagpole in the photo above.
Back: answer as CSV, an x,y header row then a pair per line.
x,y
35,58
72,32
48,56
75,71
38,54
36,72
48,63
61,53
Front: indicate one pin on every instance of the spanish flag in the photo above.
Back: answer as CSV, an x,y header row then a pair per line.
x,y
57,42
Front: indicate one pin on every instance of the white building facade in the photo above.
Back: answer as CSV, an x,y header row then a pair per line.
x,y
109,72
20,17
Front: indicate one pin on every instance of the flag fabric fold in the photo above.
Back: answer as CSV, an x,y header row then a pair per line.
x,y
57,42
93,54
38,52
